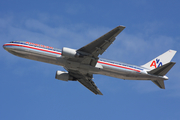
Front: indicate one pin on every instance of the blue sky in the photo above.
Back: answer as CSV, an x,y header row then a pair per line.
x,y
29,90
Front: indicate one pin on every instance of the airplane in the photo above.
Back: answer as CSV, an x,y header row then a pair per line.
x,y
82,63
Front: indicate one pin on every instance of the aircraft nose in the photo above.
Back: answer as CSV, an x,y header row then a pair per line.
x,y
4,46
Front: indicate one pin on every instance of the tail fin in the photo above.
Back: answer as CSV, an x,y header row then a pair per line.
x,y
160,66
160,60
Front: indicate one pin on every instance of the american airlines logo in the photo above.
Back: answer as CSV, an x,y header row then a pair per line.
x,y
156,63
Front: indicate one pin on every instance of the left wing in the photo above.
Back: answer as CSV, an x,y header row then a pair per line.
x,y
98,46
86,80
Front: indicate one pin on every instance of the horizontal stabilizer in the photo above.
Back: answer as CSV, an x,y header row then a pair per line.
x,y
159,83
162,70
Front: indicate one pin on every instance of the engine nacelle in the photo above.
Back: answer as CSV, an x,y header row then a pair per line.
x,y
68,52
61,75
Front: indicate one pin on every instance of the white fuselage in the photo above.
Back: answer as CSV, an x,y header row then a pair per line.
x,y
105,67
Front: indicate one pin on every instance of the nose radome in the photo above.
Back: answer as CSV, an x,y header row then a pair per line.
x,y
4,46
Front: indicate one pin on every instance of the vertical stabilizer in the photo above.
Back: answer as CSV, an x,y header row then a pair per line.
x,y
160,60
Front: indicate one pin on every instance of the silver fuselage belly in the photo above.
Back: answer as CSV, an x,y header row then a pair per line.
x,y
109,68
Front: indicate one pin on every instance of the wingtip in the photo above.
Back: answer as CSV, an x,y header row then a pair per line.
x,y
99,93
170,50
122,26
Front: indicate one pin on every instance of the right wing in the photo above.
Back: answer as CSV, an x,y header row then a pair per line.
x,y
88,83
86,80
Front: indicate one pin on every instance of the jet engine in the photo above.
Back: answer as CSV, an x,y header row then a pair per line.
x,y
64,76
68,52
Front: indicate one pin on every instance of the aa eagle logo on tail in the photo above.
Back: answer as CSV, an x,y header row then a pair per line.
x,y
156,63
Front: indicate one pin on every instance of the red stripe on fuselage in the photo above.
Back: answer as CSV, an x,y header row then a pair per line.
x,y
118,66
32,48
